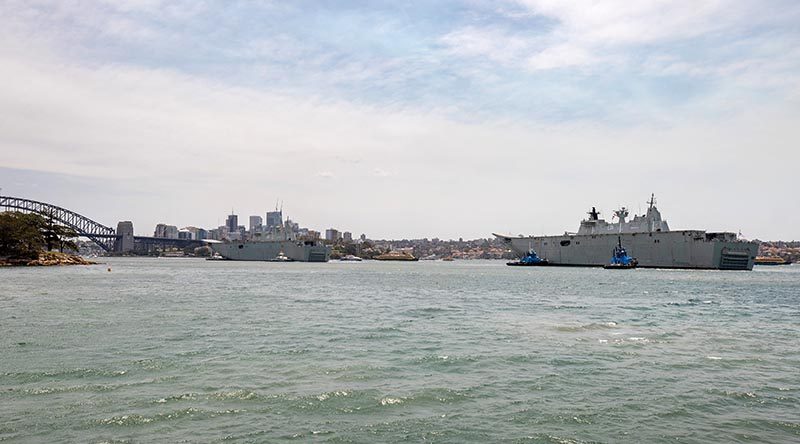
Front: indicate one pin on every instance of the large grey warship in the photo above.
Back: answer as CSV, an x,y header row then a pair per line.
x,y
270,250
646,237
280,244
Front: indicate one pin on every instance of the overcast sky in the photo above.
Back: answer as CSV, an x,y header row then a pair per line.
x,y
405,119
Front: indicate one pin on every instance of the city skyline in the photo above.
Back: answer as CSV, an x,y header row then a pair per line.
x,y
452,119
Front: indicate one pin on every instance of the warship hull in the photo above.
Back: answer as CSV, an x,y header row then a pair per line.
x,y
268,250
672,249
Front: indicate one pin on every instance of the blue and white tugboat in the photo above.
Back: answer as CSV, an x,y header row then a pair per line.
x,y
529,260
620,259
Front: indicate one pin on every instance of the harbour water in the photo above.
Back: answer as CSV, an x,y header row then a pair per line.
x,y
186,350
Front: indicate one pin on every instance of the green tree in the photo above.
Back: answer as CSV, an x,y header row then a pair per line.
x,y
21,235
57,235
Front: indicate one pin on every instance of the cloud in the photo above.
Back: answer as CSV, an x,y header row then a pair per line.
x,y
195,147
464,123
379,172
615,22
495,44
561,56
611,32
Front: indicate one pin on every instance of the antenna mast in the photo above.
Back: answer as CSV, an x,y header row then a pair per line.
x,y
652,200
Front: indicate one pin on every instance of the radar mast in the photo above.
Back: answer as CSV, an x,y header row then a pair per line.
x,y
621,214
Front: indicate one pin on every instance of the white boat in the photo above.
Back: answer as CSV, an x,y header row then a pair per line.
x,y
281,257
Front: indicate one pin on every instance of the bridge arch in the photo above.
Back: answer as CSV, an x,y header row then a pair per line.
x,y
101,235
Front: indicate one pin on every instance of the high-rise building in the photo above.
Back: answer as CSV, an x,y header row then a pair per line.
x,y
171,232
347,236
197,233
166,231
255,224
274,219
332,234
232,223
160,231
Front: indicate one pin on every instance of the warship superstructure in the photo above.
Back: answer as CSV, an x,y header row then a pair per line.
x,y
646,237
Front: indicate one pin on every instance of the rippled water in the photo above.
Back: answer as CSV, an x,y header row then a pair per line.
x,y
169,350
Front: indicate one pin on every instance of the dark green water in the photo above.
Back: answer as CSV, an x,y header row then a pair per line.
x,y
180,350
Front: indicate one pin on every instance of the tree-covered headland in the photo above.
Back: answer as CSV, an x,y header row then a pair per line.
x,y
26,236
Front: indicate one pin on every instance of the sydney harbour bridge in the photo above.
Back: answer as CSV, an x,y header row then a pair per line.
x,y
110,240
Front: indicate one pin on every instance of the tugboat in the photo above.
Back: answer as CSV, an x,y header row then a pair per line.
x,y
620,259
529,260
281,257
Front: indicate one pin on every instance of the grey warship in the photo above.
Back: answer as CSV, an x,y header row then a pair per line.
x,y
279,244
646,237
270,250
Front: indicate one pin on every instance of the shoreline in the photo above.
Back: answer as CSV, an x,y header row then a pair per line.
x,y
47,259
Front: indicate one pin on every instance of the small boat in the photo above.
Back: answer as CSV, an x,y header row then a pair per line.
x,y
620,259
396,256
771,260
281,257
448,259
350,258
529,260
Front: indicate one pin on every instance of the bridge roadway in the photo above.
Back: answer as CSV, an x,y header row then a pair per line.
x,y
105,237
144,244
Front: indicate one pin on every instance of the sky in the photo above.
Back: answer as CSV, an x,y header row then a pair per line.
x,y
405,119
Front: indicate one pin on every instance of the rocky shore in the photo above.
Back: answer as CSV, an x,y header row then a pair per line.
x,y
48,258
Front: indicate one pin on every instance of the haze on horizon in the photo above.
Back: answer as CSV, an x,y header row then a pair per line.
x,y
405,120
